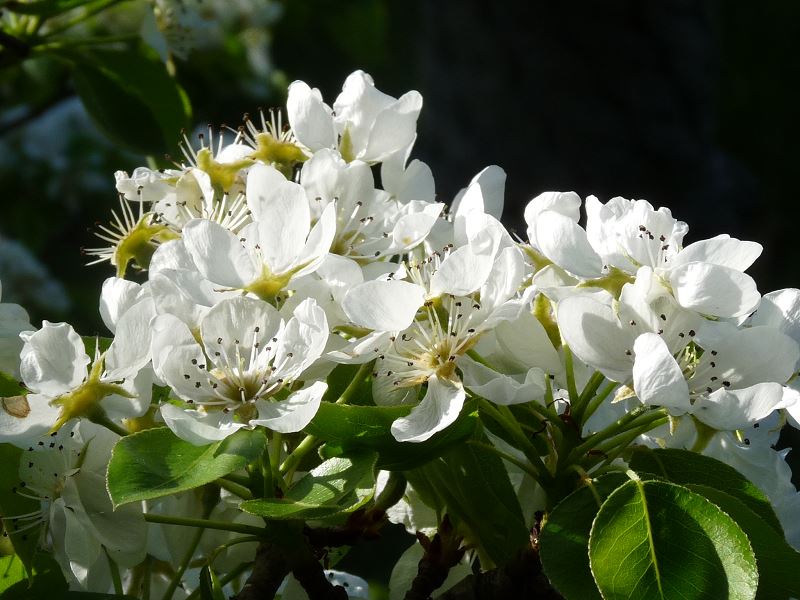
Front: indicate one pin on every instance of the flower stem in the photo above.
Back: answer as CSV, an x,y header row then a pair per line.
x,y
310,442
595,381
223,581
204,523
115,577
543,476
187,558
304,447
102,419
632,420
507,457
570,367
595,402
234,488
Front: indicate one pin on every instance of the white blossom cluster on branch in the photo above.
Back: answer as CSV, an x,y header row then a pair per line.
x,y
304,240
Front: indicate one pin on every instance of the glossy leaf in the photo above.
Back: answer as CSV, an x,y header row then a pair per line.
x,y
350,428
155,463
132,98
472,485
210,588
653,540
564,540
684,467
337,485
46,581
11,571
778,562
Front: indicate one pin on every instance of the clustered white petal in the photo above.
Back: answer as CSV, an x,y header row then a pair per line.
x,y
274,258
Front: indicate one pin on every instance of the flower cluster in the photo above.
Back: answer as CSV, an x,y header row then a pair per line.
x,y
310,241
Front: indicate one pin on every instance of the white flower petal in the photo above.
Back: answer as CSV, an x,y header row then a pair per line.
x,y
302,341
526,343
721,250
564,242
53,360
310,117
383,305
485,194
729,410
462,272
286,217
22,430
395,127
714,289
439,408
198,428
657,378
237,327
318,243
500,388
292,414
412,228
218,254
117,296
130,350
591,330
780,310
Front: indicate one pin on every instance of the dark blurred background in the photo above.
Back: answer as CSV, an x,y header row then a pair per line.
x,y
689,104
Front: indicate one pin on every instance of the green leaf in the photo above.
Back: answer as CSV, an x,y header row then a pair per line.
x,y
564,540
132,98
684,467
472,485
10,386
45,8
337,485
11,571
340,379
155,463
657,540
47,581
11,504
210,589
778,562
351,428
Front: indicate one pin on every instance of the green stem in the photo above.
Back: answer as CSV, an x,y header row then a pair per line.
x,y
187,558
505,456
223,581
84,41
146,580
100,418
362,372
571,387
236,478
616,446
392,492
310,442
204,523
629,421
704,435
234,488
595,402
115,577
222,547
86,14
304,447
587,394
275,448
543,476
